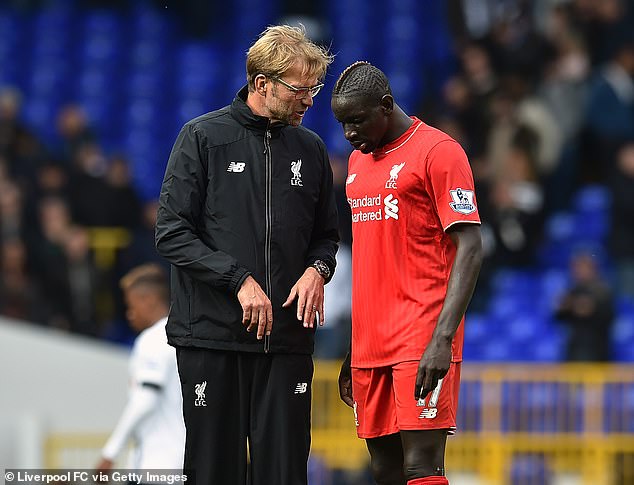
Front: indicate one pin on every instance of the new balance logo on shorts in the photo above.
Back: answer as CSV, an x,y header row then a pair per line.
x,y
428,413
301,388
236,167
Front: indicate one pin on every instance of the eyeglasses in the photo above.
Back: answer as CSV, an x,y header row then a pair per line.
x,y
301,93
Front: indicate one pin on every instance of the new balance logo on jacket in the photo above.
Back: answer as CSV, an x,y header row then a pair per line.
x,y
236,167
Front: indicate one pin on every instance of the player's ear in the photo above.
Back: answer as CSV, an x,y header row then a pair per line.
x,y
260,84
387,104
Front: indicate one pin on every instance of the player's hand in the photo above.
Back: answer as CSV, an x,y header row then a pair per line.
x,y
104,466
309,291
345,382
433,366
257,310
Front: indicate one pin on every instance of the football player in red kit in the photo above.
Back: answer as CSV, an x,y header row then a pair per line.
x,y
416,256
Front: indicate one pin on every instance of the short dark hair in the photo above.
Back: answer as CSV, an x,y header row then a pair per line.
x,y
362,79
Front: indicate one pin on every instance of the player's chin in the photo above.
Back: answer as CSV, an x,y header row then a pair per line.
x,y
295,119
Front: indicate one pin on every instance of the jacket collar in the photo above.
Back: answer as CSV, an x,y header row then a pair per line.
x,y
241,112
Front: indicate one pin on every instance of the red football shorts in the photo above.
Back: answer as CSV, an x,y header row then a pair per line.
x,y
384,400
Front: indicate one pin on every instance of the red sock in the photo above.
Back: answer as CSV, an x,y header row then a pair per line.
x,y
429,481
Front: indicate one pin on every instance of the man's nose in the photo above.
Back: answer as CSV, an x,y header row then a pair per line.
x,y
308,100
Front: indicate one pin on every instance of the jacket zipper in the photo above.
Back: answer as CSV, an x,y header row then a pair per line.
x,y
268,222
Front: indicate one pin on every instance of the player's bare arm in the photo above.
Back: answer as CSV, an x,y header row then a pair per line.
x,y
434,364
345,382
256,308
309,291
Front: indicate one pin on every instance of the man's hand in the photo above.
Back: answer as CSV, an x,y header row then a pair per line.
x,y
345,382
433,366
256,307
104,466
309,291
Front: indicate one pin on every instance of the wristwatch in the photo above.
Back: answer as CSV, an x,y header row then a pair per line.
x,y
322,268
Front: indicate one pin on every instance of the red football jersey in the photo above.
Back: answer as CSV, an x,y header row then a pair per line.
x,y
403,198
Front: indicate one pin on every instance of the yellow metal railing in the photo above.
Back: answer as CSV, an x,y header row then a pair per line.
x,y
106,242
576,421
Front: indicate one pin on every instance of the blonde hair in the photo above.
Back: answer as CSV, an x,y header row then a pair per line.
x,y
278,47
149,275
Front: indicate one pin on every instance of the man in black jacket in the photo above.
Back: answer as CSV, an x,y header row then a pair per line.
x,y
247,219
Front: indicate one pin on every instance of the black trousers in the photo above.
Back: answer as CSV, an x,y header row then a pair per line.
x,y
230,398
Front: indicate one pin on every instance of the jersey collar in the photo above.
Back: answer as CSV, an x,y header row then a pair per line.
x,y
400,141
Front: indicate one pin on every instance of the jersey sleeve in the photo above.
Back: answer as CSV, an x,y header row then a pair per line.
x,y
451,184
152,362
141,402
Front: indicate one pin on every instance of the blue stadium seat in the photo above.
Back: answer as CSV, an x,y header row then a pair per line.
x,y
146,83
592,199
497,349
560,227
525,329
551,347
147,54
622,337
476,326
591,227
553,283
148,24
514,282
507,306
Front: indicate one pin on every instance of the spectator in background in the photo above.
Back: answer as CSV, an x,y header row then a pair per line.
x,y
10,125
587,308
89,192
480,77
123,201
81,282
563,87
513,41
153,414
515,110
474,121
74,131
603,25
51,180
141,247
610,111
11,210
21,295
516,204
622,224
101,192
47,247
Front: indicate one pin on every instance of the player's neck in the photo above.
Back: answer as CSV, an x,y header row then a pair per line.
x,y
400,123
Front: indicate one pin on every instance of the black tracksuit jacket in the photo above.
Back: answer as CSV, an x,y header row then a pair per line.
x,y
233,203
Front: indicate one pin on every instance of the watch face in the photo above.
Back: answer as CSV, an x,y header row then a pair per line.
x,y
322,268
